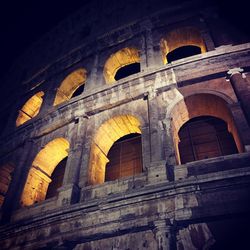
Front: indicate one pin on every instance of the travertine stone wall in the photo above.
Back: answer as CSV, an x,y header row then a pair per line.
x,y
168,205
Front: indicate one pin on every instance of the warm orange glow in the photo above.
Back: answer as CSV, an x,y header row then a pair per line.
x,y
69,85
5,179
118,60
42,167
107,134
181,37
202,105
30,109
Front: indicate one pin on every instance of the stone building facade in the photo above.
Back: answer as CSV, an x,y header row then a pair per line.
x,y
127,127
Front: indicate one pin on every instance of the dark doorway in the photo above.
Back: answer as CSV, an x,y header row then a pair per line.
x,y
205,137
127,70
182,52
125,158
56,179
78,91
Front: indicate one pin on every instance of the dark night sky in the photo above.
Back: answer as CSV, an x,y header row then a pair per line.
x,y
23,22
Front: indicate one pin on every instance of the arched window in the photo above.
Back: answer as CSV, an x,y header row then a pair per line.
x,y
194,107
30,109
205,137
116,150
71,86
56,179
41,174
125,157
5,179
121,64
181,43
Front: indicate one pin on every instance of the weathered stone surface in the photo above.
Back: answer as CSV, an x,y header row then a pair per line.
x,y
168,205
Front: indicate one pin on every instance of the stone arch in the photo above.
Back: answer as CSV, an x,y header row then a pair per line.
x,y
180,37
44,164
201,105
108,133
205,137
116,61
6,171
30,109
69,85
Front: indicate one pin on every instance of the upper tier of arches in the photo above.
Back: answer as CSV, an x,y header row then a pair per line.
x,y
176,44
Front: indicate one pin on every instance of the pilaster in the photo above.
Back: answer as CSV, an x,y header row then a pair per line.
x,y
241,88
164,235
69,192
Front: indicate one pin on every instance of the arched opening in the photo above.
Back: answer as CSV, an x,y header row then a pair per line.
x,y
41,173
121,64
56,179
205,137
181,43
182,52
127,71
6,171
30,109
200,105
71,86
124,158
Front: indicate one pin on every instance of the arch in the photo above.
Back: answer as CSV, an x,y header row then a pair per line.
x,y
125,157
201,105
44,164
205,137
108,133
30,109
116,61
180,38
6,171
70,85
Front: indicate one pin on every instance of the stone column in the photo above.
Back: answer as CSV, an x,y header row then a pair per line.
x,y
148,59
154,126
163,235
243,142
169,148
207,40
242,89
145,146
92,80
157,168
69,192
49,97
86,157
13,195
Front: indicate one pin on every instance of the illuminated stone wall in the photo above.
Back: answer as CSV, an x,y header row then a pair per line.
x,y
69,85
38,179
168,205
30,109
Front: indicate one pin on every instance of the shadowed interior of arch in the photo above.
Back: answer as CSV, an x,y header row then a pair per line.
x,y
125,157
182,52
44,172
127,70
56,179
78,91
123,133
205,137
